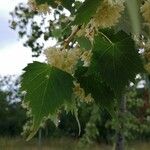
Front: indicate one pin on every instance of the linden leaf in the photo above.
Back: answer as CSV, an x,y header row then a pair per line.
x,y
100,91
116,59
47,90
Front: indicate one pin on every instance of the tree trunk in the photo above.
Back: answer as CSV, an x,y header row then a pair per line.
x,y
120,130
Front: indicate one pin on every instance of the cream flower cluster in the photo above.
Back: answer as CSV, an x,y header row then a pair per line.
x,y
79,93
43,8
63,59
67,59
86,58
108,13
88,31
145,9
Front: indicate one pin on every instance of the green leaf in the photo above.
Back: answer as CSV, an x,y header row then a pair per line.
x,y
115,59
57,33
100,91
84,43
86,11
48,88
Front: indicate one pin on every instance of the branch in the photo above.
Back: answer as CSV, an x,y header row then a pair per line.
x,y
67,41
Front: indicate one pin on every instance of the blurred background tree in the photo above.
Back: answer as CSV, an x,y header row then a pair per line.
x,y
12,115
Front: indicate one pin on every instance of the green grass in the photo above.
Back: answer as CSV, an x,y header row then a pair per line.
x,y
139,146
51,144
58,144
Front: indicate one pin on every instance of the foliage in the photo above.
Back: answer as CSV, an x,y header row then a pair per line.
x,y
137,114
102,61
12,116
22,17
91,130
24,20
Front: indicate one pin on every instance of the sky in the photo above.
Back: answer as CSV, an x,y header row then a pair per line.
x,y
13,56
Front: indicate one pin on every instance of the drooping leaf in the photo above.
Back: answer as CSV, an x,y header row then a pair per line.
x,y
86,11
115,59
100,91
47,89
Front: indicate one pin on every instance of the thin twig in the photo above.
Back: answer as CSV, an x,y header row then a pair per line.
x,y
67,41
